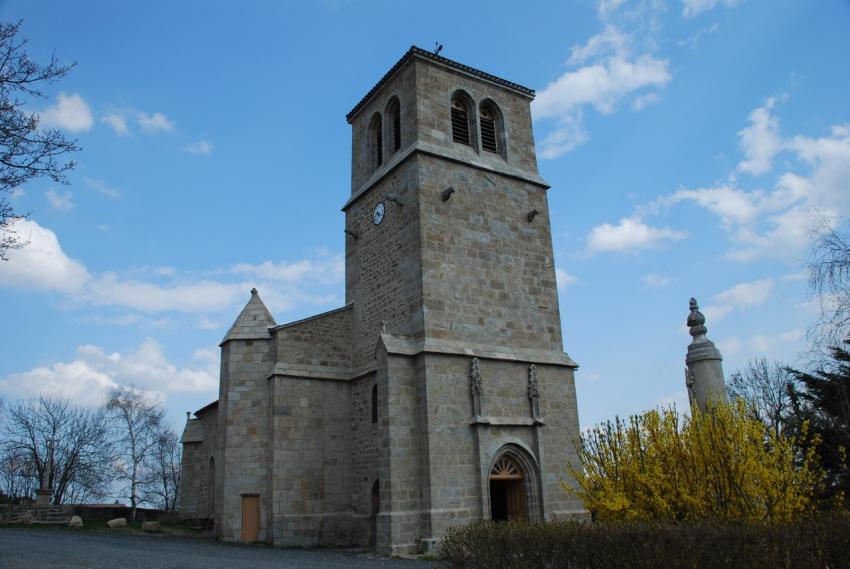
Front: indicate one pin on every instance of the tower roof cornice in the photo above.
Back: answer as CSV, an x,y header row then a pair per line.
x,y
419,53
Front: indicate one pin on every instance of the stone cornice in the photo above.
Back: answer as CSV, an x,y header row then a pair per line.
x,y
438,151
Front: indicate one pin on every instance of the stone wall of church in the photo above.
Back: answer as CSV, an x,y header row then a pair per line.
x,y
403,86
434,473
321,344
244,404
382,266
194,485
365,444
489,273
435,86
312,462
192,500
400,471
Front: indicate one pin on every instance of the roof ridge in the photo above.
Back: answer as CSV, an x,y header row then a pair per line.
x,y
425,54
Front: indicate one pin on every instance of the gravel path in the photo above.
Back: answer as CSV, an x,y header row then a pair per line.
x,y
49,549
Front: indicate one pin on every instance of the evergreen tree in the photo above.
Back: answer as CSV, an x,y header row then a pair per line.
x,y
821,402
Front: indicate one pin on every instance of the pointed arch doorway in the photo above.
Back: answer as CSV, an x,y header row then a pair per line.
x,y
507,491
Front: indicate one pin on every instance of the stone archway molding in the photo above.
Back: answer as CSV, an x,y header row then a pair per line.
x,y
524,458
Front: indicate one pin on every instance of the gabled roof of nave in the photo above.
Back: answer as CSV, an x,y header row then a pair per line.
x,y
425,54
253,322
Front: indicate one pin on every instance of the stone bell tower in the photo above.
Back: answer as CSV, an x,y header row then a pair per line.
x,y
451,282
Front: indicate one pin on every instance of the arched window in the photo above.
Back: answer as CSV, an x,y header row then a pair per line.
x,y
374,403
490,119
461,119
394,128
376,142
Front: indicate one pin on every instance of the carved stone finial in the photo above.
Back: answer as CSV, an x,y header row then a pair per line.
x,y
533,391
696,320
188,414
476,386
253,291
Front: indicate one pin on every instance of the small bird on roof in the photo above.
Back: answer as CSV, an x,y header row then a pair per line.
x,y
439,48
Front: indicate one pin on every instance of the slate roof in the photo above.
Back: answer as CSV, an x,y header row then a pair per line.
x,y
424,54
253,322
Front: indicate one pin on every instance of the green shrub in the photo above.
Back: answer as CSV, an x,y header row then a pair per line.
x,y
810,543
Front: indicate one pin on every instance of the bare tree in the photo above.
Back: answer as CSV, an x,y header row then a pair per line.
x,y
163,466
137,424
763,386
82,451
829,280
18,477
26,151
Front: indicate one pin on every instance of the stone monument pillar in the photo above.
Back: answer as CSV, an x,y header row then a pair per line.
x,y
704,368
45,492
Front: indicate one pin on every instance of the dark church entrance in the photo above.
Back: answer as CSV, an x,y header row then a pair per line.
x,y
507,491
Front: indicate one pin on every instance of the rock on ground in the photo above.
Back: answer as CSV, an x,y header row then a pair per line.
x,y
117,523
150,527
76,522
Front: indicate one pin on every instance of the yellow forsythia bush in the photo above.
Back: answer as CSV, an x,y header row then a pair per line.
x,y
714,465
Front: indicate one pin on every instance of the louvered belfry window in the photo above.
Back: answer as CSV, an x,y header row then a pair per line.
x,y
460,122
489,139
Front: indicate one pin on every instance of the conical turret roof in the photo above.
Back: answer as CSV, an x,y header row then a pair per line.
x,y
253,322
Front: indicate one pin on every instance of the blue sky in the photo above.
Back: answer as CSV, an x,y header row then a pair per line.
x,y
690,146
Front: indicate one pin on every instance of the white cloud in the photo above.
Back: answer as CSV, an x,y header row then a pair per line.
x,y
760,141
207,324
117,122
693,41
729,346
761,344
602,74
694,8
202,147
156,122
86,378
60,201
112,290
798,276
564,279
102,188
17,193
654,280
325,271
739,296
730,204
792,335
630,233
70,112
776,223
42,264
644,101
746,294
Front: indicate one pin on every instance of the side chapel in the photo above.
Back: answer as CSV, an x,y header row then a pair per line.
x,y
440,394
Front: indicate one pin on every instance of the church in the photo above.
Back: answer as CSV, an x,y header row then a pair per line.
x,y
439,394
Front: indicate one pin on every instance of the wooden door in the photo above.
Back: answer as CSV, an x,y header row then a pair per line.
x,y
250,518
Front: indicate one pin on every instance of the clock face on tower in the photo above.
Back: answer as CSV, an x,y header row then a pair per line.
x,y
378,214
